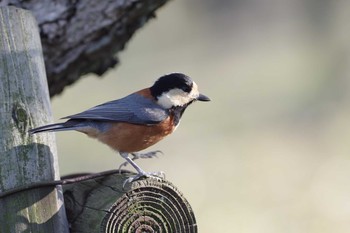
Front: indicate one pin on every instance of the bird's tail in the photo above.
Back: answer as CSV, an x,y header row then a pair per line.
x,y
53,128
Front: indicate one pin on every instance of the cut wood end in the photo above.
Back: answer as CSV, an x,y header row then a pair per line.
x,y
147,205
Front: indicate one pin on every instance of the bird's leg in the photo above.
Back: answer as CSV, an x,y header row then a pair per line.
x,y
136,156
132,163
140,172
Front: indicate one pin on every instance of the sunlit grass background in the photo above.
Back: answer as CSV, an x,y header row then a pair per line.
x,y
271,151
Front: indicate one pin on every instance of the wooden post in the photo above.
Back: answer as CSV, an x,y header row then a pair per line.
x,y
24,103
148,205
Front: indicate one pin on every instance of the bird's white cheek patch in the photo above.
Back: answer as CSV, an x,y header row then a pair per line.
x,y
175,97
165,101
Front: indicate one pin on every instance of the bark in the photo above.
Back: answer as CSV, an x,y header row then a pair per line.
x,y
81,37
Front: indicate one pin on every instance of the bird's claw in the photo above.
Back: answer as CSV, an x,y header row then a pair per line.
x,y
147,155
157,175
136,156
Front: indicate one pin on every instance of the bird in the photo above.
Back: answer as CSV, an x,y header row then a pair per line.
x,y
136,121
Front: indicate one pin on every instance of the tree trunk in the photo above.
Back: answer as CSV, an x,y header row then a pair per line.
x,y
80,37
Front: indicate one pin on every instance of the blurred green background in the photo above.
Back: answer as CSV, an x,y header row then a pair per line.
x,y
270,152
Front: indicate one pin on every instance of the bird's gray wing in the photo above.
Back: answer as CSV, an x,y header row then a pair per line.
x,y
133,108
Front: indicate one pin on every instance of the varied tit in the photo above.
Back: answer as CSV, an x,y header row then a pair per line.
x,y
138,120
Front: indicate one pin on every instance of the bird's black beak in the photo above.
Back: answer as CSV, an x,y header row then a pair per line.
x,y
202,97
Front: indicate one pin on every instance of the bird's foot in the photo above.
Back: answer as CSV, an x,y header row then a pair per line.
x,y
157,175
135,156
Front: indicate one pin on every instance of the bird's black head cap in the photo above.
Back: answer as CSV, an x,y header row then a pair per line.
x,y
171,81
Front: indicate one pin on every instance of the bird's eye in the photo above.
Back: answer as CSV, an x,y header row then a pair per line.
x,y
186,88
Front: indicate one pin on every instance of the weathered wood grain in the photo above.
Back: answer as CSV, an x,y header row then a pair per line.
x,y
24,103
147,205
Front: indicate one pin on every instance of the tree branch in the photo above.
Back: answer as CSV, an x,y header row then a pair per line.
x,y
81,37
